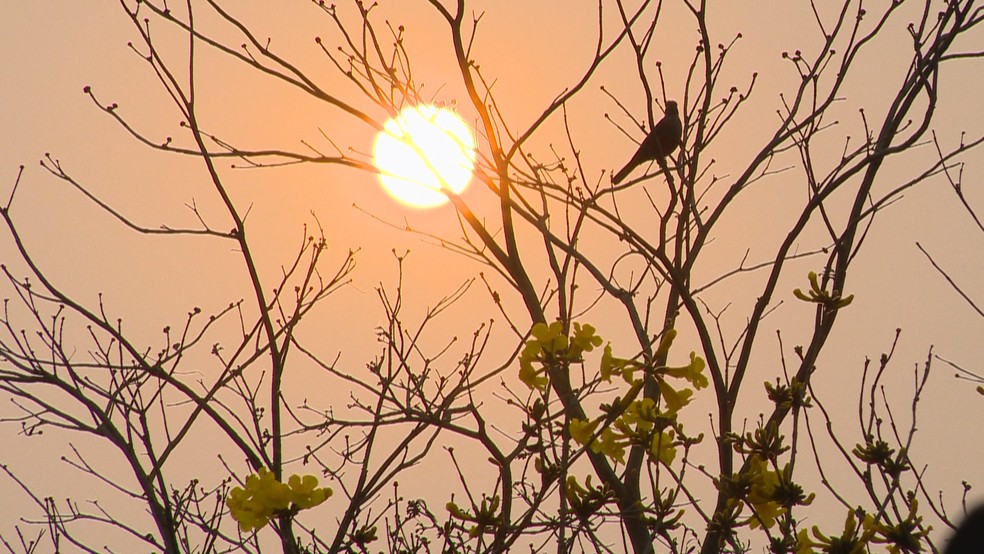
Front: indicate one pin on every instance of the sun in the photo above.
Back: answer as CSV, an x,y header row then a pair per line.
x,y
421,151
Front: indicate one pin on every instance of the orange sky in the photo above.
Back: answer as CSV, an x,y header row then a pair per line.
x,y
533,51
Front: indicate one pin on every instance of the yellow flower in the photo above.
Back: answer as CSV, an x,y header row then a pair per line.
x,y
581,430
692,372
663,447
586,500
609,445
641,413
531,377
674,400
804,544
766,514
243,511
254,505
457,512
545,343
364,535
574,490
905,536
483,518
764,484
583,340
849,542
304,491
610,365
551,337
264,496
816,294
665,343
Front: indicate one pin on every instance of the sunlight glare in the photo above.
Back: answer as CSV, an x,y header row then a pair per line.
x,y
421,151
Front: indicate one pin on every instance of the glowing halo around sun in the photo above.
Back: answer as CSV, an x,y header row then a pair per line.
x,y
421,151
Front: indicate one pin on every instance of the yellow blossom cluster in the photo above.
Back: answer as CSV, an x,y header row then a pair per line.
x,y
634,426
484,516
641,421
853,540
762,497
862,530
586,500
673,399
816,294
768,490
264,496
548,345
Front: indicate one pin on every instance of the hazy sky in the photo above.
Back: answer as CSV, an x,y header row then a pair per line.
x,y
532,51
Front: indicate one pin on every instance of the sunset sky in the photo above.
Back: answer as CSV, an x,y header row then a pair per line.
x,y
532,51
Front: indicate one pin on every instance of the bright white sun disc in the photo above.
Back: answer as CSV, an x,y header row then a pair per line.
x,y
421,151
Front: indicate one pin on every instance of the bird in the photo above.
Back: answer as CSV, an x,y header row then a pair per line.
x,y
969,538
662,140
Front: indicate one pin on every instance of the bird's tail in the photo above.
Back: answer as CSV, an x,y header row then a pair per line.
x,y
623,173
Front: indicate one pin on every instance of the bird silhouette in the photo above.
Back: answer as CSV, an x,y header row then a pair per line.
x,y
969,538
662,140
